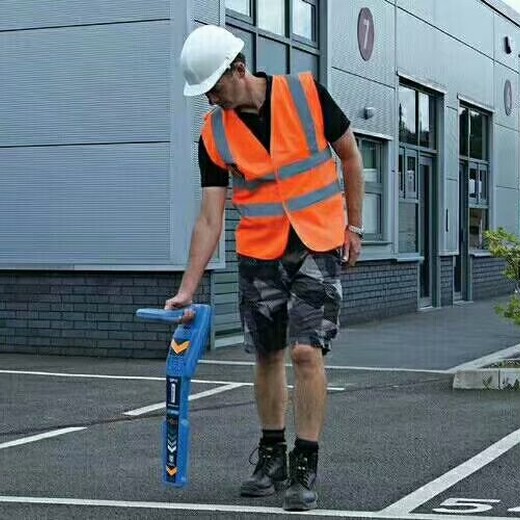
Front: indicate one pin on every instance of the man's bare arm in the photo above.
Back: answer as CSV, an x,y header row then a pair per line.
x,y
204,240
352,167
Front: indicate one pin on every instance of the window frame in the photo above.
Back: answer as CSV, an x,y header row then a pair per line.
x,y
376,188
417,151
432,115
481,200
291,41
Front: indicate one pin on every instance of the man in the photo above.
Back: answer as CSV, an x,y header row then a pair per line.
x,y
272,135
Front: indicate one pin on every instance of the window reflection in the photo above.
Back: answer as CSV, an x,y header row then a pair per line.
x,y
407,118
407,227
302,19
240,6
477,226
477,135
425,120
371,213
463,130
271,15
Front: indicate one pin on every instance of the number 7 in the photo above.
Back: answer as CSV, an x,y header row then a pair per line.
x,y
366,23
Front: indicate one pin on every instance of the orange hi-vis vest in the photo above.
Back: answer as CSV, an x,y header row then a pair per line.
x,y
295,184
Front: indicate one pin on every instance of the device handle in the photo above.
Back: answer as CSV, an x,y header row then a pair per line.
x,y
161,315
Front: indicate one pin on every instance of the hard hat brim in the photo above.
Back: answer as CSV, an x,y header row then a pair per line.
x,y
198,89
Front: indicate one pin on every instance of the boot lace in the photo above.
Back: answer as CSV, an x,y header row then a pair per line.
x,y
302,472
266,458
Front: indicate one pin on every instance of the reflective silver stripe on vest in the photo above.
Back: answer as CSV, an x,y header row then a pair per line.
x,y
296,204
241,183
217,122
307,164
260,210
304,111
315,197
285,173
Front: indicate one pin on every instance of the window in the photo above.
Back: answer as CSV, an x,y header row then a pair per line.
x,y
418,142
304,19
372,153
416,117
281,35
474,160
239,6
271,16
408,202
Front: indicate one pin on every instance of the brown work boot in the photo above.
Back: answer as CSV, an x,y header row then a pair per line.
x,y
270,473
300,494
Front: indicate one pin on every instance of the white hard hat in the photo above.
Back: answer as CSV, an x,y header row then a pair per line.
x,y
205,56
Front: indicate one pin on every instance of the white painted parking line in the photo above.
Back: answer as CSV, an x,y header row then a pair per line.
x,y
138,378
193,397
425,493
487,360
224,508
331,367
39,437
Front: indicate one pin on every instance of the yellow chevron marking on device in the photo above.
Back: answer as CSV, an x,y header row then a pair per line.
x,y
179,349
171,471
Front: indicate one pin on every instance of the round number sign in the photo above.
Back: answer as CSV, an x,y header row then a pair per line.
x,y
508,97
366,33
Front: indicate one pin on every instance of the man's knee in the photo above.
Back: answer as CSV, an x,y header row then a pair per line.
x,y
306,356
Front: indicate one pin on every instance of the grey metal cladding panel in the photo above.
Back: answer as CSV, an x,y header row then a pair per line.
x,y
505,28
451,201
345,53
451,128
353,93
502,74
85,204
107,83
470,21
506,209
467,20
441,59
207,11
199,108
505,161
424,9
29,14
467,72
420,60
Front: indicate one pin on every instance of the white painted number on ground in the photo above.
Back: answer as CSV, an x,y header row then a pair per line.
x,y
467,506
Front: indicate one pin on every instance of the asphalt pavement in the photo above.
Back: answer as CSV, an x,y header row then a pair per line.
x,y
80,437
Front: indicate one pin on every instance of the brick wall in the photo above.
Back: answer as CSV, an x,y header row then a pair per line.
x,y
488,278
375,290
446,281
85,313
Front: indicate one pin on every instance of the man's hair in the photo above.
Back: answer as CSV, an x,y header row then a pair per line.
x,y
240,58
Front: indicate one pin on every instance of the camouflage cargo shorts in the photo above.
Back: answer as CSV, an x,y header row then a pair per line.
x,y
291,300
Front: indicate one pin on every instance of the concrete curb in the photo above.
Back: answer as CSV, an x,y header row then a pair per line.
x,y
488,379
482,375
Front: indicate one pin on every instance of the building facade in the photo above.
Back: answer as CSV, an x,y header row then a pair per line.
x,y
99,185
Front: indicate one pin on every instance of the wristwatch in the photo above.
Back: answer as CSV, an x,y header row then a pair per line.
x,y
358,230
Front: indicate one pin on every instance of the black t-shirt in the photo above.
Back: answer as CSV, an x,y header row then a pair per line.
x,y
335,124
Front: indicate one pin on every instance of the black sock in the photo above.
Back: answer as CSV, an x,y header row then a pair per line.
x,y
304,446
271,437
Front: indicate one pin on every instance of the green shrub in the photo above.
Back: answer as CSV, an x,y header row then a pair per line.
x,y
505,245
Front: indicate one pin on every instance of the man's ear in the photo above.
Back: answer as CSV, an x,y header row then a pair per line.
x,y
241,69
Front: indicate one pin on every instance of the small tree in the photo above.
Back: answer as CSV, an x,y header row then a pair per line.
x,y
505,245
